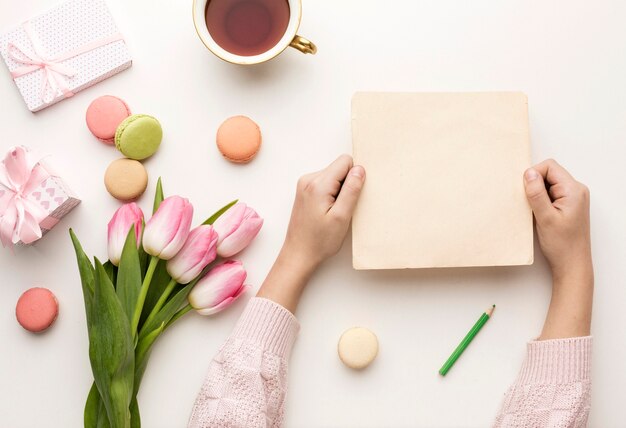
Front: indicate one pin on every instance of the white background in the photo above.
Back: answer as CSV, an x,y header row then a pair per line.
x,y
568,57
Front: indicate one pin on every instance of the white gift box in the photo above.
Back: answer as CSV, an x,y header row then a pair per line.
x,y
43,198
63,51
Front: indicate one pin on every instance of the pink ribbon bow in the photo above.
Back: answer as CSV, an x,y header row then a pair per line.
x,y
20,175
54,71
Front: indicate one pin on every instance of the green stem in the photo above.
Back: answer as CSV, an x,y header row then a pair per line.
x,y
161,301
179,314
143,293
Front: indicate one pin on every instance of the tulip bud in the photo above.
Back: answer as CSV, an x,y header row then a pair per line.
x,y
219,288
236,228
167,230
127,216
199,250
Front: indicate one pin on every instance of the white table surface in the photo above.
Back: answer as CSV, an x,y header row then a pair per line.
x,y
569,57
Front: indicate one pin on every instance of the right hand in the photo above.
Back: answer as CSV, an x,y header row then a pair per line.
x,y
562,217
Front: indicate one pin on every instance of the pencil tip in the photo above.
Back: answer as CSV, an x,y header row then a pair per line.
x,y
493,306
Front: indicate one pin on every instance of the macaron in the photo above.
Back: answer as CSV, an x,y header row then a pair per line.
x,y
126,179
357,348
239,139
138,136
37,309
104,115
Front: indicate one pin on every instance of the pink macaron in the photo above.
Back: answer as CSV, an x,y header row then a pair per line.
x,y
104,115
37,309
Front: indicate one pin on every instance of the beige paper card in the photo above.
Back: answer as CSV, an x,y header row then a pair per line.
x,y
444,183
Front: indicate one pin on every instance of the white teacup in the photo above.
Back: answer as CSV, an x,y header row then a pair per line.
x,y
289,38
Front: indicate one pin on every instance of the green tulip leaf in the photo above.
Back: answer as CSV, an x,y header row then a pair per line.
x,y
142,354
95,412
158,196
111,271
144,260
219,212
135,418
111,350
86,271
92,407
103,418
160,279
167,311
129,275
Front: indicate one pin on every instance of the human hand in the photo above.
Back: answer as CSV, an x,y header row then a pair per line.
x,y
321,214
562,217
322,210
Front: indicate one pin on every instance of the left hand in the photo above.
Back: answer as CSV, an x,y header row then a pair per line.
x,y
324,204
322,211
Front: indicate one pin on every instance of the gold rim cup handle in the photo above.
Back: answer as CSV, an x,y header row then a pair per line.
x,y
303,45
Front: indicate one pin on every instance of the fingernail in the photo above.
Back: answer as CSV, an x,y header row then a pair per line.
x,y
358,172
531,174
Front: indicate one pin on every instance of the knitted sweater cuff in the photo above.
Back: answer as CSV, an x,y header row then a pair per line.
x,y
268,325
557,361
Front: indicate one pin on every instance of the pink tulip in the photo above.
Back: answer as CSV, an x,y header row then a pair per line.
x,y
199,250
167,230
236,228
219,288
127,216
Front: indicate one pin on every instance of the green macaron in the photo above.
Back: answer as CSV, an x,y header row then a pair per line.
x,y
138,136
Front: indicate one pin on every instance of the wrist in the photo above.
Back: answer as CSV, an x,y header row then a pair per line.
x,y
569,314
578,270
299,261
287,279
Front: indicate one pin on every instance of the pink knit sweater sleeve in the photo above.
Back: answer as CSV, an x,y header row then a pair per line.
x,y
553,388
247,380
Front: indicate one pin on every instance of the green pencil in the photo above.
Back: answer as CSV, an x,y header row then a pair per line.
x,y
466,341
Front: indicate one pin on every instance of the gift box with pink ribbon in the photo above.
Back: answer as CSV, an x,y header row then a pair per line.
x,y
63,51
33,198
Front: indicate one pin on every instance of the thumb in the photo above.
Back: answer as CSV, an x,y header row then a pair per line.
x,y
537,194
350,192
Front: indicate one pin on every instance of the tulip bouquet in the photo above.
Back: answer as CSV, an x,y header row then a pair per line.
x,y
157,272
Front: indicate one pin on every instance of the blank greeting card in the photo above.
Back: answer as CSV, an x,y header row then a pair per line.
x,y
444,184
